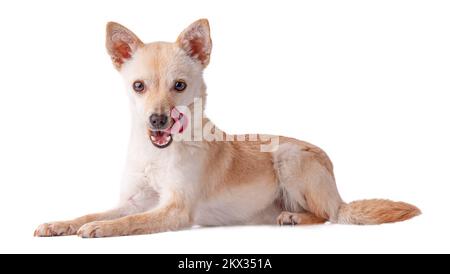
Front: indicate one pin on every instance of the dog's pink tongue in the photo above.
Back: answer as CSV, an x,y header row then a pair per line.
x,y
180,121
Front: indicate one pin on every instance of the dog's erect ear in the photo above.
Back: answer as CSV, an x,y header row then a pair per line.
x,y
121,43
196,41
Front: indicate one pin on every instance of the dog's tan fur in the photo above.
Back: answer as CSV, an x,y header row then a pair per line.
x,y
210,182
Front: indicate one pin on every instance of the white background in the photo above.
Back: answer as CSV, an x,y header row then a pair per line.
x,y
368,81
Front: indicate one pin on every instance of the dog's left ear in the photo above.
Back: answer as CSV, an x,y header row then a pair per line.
x,y
196,41
121,43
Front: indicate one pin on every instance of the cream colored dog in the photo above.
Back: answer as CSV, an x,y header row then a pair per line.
x,y
182,171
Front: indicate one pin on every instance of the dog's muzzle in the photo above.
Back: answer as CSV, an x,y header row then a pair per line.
x,y
161,127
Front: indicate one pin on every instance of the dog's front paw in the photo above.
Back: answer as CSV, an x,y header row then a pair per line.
x,y
56,229
96,230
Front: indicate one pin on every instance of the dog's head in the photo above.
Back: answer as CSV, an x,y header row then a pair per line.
x,y
160,76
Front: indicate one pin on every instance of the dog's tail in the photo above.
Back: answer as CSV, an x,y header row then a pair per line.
x,y
376,211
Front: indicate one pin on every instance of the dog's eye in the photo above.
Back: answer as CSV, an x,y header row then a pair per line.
x,y
180,85
139,86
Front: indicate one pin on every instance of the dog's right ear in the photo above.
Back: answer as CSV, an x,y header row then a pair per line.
x,y
121,43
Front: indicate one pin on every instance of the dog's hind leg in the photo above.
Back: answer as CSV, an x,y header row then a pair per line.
x,y
308,191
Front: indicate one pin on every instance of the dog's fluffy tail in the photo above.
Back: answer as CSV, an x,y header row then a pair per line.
x,y
376,211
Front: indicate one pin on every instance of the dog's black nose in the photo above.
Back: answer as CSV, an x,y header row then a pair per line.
x,y
158,121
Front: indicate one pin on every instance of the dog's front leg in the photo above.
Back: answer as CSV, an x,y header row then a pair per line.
x,y
132,203
135,198
64,228
171,215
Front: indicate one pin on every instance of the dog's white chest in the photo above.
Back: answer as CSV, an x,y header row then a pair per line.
x,y
180,171
155,175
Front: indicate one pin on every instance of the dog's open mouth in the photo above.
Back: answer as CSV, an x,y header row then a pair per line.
x,y
160,139
163,138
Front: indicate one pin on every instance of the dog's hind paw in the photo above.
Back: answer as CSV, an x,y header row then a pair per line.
x,y
291,218
288,218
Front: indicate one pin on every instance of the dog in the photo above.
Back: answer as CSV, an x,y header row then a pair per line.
x,y
183,171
